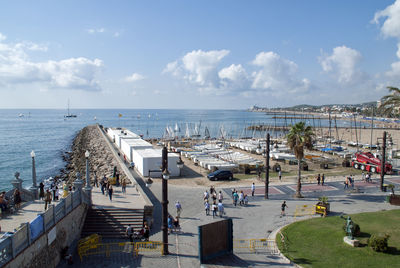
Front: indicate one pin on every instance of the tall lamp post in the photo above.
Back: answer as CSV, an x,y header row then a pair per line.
x,y
88,188
267,167
33,189
164,202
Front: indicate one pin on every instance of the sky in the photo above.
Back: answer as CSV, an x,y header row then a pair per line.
x,y
211,54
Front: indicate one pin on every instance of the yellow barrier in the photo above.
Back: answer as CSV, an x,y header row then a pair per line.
x,y
148,246
320,210
304,210
108,248
254,244
87,243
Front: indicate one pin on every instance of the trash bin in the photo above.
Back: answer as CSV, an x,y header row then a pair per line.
x,y
384,187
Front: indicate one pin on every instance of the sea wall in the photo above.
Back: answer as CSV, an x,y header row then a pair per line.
x,y
41,253
101,159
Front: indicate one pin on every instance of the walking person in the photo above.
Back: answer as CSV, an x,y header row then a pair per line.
x,y
220,209
96,181
110,192
323,179
253,189
47,199
352,181
178,207
41,191
146,234
124,186
319,179
207,208
346,183
53,189
363,177
17,199
235,198
280,175
214,209
57,193
205,195
129,232
283,207
220,197
241,198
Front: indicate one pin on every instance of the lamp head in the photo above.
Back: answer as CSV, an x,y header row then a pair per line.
x,y
165,174
33,154
87,154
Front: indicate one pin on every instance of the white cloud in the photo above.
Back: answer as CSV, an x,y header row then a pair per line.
x,y
391,28
94,31
198,67
342,63
234,77
134,77
75,73
2,37
277,75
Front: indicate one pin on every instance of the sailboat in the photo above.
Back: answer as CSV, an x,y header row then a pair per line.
x,y
69,115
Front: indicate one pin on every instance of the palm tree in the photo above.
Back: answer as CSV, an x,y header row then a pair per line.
x,y
298,138
390,104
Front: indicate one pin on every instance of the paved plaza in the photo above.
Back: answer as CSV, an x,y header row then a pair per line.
x,y
257,220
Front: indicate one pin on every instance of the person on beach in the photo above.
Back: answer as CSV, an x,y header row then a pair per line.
x,y
323,179
283,207
110,192
41,191
124,186
253,189
47,199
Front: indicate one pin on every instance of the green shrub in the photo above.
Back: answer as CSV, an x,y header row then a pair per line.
x,y
379,243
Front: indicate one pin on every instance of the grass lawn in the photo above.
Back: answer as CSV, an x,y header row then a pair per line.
x,y
319,242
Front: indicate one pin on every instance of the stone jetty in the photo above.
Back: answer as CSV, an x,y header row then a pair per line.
x,y
101,160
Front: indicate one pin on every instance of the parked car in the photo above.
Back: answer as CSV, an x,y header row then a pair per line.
x,y
220,175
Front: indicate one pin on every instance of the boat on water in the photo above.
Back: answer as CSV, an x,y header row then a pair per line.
x,y
69,115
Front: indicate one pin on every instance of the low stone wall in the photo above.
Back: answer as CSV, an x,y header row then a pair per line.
x,y
41,254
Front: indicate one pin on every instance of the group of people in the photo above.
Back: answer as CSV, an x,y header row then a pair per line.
x,y
106,187
5,202
241,197
214,207
143,233
366,177
349,181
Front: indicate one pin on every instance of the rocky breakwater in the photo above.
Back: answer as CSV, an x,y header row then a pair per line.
x,y
101,159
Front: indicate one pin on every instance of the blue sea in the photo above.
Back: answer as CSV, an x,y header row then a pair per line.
x,y
50,135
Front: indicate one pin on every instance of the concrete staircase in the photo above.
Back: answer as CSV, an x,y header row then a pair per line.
x,y
111,223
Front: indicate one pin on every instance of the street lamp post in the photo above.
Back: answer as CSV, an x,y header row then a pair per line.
x,y
33,189
164,202
88,188
267,167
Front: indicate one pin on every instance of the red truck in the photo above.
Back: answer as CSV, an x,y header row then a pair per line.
x,y
369,162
